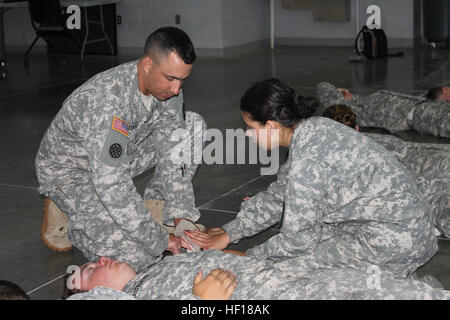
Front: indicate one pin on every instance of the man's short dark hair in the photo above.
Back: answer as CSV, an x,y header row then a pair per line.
x,y
66,291
168,39
434,93
11,291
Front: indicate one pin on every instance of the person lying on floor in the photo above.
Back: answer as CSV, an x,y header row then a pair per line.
x,y
394,111
178,278
429,164
342,199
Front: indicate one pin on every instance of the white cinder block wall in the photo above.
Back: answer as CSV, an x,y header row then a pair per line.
x,y
221,24
211,24
298,26
245,21
200,19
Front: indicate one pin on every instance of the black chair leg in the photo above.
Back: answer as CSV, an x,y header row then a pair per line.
x,y
25,61
49,44
73,39
65,45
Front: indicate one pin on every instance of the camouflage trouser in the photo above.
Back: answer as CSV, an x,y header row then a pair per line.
x,y
432,118
92,230
362,246
430,166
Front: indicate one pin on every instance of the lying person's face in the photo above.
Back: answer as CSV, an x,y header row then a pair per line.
x,y
445,95
105,273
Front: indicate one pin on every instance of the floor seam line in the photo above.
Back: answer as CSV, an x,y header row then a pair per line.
x,y
17,186
45,284
219,210
227,193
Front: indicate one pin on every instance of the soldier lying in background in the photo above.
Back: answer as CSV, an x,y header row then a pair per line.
x,y
394,111
429,164
177,277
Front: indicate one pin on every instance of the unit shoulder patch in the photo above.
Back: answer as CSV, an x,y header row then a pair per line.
x,y
114,147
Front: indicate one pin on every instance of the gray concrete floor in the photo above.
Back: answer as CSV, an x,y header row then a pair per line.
x,y
29,99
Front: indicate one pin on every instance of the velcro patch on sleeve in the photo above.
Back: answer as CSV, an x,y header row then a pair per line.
x,y
114,148
120,126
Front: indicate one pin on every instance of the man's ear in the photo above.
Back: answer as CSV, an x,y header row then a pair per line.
x,y
147,63
356,127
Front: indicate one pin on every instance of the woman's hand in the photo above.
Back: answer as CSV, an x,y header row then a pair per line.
x,y
218,285
238,253
215,238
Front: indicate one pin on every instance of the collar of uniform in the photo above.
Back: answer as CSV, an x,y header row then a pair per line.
x,y
134,285
140,113
296,136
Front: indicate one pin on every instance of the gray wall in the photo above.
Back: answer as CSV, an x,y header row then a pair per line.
x,y
211,24
297,27
199,18
216,25
244,21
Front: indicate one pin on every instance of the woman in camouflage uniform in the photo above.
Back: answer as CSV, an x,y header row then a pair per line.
x,y
342,200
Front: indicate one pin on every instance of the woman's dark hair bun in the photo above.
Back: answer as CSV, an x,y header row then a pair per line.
x,y
273,99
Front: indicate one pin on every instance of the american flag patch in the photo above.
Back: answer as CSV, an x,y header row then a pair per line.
x,y
120,125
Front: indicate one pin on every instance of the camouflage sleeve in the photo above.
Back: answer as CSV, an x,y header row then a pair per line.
x,y
177,188
304,205
107,151
329,95
259,212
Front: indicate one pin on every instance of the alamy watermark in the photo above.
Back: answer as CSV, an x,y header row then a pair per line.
x,y
191,149
374,20
74,20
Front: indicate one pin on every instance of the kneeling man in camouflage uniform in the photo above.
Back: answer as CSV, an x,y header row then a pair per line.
x,y
114,127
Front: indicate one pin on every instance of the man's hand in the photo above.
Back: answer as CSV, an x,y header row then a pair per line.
x,y
217,239
218,285
174,244
347,95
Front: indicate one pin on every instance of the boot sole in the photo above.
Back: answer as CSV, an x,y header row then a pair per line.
x,y
44,228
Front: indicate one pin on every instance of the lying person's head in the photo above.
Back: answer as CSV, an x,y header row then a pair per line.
x,y
273,105
218,285
439,94
343,114
11,291
103,273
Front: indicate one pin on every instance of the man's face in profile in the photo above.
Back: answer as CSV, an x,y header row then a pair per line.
x,y
164,76
445,95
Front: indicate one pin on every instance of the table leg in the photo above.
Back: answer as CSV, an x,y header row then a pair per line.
x,y
86,22
103,29
3,65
